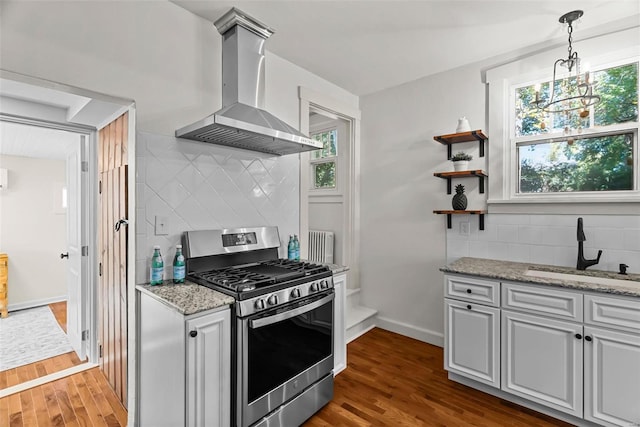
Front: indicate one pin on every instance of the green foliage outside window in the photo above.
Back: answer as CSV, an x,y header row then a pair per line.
x,y
324,173
598,163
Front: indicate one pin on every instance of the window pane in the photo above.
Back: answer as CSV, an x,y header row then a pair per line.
x,y
325,175
616,86
329,142
591,164
618,90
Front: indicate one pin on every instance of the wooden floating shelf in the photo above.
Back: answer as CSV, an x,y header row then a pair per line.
x,y
456,138
463,174
480,214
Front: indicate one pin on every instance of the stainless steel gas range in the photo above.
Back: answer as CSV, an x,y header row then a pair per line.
x,y
282,328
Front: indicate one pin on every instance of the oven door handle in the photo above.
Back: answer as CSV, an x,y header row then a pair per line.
x,y
264,321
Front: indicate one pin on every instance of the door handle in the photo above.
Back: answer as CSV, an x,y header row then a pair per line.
x,y
120,223
64,255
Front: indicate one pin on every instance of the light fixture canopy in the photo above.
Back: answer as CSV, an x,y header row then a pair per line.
x,y
575,91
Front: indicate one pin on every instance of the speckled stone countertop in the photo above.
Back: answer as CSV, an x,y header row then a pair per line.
x,y
189,298
516,271
335,268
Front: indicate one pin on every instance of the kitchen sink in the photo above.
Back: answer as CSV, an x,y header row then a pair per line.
x,y
581,278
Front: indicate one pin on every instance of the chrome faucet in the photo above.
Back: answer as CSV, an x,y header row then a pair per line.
x,y
582,262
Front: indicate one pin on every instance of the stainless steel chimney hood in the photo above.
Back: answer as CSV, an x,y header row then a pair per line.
x,y
242,122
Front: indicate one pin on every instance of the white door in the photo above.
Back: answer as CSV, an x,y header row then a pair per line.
x,y
472,341
76,262
542,360
209,370
611,377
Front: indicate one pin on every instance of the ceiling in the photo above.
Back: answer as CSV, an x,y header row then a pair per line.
x,y
36,142
365,46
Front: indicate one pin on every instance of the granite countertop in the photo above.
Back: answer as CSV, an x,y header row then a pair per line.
x,y
335,268
188,298
516,271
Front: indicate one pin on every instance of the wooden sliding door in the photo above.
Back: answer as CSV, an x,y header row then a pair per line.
x,y
112,294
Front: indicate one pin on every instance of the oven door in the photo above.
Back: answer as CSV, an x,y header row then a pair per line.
x,y
281,352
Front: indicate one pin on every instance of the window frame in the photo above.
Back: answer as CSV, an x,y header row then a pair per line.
x,y
329,159
510,155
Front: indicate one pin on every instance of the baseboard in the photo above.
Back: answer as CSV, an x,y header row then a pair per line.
x,y
521,401
411,331
35,303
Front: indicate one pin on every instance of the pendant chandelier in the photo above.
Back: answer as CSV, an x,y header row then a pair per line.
x,y
570,91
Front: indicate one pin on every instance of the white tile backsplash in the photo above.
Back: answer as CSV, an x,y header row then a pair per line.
x,y
549,239
204,186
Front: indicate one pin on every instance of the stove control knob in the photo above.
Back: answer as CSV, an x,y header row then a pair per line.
x,y
324,284
272,300
314,287
295,293
259,304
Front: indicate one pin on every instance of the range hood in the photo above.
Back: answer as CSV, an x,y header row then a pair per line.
x,y
242,122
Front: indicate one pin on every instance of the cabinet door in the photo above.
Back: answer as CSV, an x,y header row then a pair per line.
x,y
472,341
542,360
612,377
209,370
339,333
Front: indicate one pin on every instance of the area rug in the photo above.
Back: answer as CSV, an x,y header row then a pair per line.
x,y
27,336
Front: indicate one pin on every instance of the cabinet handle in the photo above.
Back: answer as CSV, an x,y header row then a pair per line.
x,y
588,338
193,334
469,307
578,336
468,291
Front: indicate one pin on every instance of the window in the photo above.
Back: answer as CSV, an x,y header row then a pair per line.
x,y
324,161
590,151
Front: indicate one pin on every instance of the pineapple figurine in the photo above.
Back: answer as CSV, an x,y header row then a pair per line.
x,y
459,201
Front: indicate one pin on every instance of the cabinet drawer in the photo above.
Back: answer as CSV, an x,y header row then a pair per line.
x,y
472,289
551,302
612,312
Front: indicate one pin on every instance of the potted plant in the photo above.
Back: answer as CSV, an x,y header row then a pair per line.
x,y
461,161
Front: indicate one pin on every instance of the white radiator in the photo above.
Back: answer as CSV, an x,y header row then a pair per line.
x,y
321,246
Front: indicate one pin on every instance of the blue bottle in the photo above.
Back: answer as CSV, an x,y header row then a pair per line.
x,y
296,247
291,249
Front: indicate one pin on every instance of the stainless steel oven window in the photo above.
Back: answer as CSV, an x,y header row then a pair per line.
x,y
284,351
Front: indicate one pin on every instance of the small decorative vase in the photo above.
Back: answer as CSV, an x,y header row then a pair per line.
x,y
459,201
460,165
463,125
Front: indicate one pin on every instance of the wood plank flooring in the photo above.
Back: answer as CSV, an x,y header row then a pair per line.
x,y
84,399
392,380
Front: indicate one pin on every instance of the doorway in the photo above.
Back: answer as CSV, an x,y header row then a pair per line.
x,y
42,224
55,105
335,206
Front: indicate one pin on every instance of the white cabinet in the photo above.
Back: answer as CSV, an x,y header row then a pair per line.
x,y
184,380
542,360
472,341
573,351
611,377
612,360
339,340
208,370
472,328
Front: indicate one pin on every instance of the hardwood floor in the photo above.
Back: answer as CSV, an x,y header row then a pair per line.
x,y
83,399
392,380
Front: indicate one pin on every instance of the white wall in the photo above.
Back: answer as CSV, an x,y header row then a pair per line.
x,y
403,243
32,230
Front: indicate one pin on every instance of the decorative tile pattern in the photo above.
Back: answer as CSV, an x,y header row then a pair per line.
x,y
204,186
